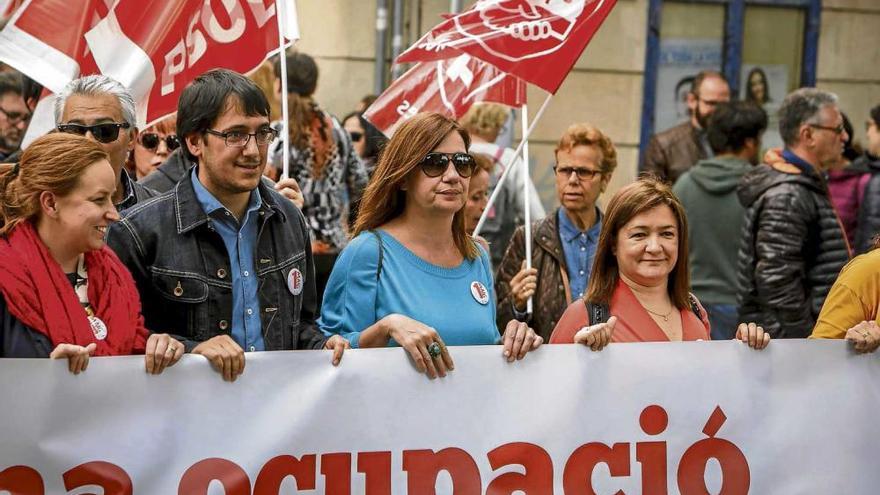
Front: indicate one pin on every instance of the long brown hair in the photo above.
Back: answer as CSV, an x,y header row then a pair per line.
x,y
384,199
52,163
308,126
645,194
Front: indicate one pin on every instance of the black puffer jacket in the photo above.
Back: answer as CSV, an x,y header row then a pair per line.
x,y
791,250
868,225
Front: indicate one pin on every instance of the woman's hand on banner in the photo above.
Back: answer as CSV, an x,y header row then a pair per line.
x,y
338,345
77,356
519,339
598,336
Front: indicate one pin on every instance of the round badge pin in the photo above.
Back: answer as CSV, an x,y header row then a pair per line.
x,y
295,282
98,327
481,295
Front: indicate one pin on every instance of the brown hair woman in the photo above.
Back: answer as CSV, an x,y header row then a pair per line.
x,y
412,276
63,293
641,277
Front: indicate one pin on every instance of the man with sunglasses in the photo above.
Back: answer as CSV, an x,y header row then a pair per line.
x,y
792,245
672,152
14,114
103,110
223,261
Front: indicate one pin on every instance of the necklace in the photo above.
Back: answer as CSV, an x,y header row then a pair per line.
x,y
665,317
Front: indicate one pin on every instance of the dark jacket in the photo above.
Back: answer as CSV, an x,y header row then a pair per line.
x,y
553,293
18,340
181,268
134,193
868,224
673,151
715,217
168,174
791,250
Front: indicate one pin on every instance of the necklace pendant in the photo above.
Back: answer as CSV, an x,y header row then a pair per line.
x,y
665,318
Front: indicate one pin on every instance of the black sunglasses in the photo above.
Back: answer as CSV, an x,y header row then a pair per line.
x,y
151,140
103,133
435,164
356,136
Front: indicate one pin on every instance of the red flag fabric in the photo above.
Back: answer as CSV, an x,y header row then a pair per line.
x,y
153,47
449,87
536,40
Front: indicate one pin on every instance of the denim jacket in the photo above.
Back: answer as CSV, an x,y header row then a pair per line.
x,y
181,269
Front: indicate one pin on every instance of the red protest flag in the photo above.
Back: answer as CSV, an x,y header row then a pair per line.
x,y
153,47
536,40
449,87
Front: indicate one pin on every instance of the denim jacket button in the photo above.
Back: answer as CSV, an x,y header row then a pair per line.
x,y
223,324
178,291
221,273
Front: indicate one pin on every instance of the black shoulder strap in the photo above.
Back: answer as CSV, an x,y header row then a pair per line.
x,y
597,312
381,253
695,306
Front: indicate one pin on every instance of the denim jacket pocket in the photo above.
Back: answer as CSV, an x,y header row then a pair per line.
x,y
180,287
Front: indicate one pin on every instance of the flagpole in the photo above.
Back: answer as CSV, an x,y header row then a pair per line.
x,y
282,55
508,166
528,214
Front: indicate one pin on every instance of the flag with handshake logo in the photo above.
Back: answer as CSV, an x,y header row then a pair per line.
x,y
536,40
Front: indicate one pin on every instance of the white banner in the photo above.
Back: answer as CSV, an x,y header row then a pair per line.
x,y
703,417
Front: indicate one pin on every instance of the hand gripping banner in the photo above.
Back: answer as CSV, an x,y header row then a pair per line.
x,y
536,40
687,418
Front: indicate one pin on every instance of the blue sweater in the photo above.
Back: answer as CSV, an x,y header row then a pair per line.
x,y
447,299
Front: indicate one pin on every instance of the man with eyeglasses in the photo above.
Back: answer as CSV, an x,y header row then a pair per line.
x,y
792,245
102,109
672,152
564,242
14,114
223,261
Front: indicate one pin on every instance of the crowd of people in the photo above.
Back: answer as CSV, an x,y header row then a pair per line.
x,y
185,237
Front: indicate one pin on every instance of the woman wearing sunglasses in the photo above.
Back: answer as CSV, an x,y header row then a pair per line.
x,y
412,276
63,293
153,146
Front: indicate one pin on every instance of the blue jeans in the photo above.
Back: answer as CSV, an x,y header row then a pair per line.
x,y
723,318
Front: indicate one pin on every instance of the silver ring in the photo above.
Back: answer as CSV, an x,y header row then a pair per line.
x,y
434,350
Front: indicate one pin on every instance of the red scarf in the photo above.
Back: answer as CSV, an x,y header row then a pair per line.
x,y
39,294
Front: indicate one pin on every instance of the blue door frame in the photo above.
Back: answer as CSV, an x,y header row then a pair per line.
x,y
733,42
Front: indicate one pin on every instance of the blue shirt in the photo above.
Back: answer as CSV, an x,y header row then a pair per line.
x,y
241,243
458,302
579,248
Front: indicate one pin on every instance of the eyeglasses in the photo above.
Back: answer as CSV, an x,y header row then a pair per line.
x,y
583,174
238,139
435,164
836,130
103,133
15,117
356,136
151,140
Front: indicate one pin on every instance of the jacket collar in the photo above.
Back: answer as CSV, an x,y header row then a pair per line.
x,y
189,214
546,236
